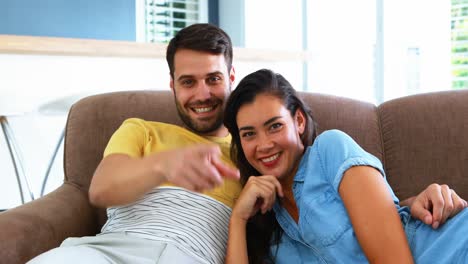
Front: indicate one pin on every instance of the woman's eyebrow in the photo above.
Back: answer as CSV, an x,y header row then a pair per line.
x,y
269,121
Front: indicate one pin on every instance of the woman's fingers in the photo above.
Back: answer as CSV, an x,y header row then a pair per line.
x,y
268,188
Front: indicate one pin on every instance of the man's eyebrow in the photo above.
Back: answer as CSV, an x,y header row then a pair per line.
x,y
269,121
187,76
214,73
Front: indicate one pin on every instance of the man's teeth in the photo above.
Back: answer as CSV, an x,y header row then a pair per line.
x,y
272,158
203,109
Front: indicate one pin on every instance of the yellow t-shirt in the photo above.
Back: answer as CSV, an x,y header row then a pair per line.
x,y
139,138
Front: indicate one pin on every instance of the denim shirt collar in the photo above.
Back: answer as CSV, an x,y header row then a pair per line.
x,y
300,174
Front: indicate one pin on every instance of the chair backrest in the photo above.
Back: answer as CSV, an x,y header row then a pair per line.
x,y
92,121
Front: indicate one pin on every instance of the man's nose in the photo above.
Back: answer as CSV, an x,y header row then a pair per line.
x,y
203,90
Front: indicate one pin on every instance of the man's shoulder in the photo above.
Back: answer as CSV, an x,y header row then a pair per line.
x,y
151,124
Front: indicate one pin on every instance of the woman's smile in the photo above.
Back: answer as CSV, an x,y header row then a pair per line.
x,y
271,161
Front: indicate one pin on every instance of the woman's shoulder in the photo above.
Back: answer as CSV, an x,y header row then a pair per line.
x,y
333,139
335,146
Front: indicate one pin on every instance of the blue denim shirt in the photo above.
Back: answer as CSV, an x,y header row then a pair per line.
x,y
323,233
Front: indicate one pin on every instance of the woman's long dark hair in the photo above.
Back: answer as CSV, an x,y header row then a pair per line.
x,y
262,229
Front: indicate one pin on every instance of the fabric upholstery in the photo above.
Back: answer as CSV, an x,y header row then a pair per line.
x,y
420,139
425,139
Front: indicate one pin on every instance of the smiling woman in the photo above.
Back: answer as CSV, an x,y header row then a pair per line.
x,y
305,196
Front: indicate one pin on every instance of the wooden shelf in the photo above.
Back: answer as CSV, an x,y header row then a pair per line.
x,y
14,44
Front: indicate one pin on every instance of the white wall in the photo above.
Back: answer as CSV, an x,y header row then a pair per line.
x,y
29,81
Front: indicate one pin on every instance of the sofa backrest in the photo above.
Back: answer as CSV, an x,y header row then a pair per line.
x,y
92,121
425,139
358,119
420,139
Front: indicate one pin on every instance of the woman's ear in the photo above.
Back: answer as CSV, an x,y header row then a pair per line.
x,y
301,121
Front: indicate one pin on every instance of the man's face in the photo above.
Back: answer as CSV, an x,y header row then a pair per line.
x,y
201,85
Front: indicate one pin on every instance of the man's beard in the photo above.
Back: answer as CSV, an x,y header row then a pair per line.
x,y
200,126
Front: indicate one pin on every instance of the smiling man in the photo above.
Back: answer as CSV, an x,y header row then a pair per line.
x,y
201,83
161,209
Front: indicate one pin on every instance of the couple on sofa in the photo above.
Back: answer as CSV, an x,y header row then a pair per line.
x,y
344,212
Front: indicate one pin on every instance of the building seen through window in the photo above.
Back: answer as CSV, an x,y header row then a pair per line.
x,y
459,27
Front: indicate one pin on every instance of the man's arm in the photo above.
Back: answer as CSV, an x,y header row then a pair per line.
x,y
120,179
435,204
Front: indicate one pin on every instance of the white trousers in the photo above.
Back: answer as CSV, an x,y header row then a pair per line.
x,y
115,248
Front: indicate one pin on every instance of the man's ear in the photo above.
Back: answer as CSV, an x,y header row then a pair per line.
x,y
232,75
171,84
301,121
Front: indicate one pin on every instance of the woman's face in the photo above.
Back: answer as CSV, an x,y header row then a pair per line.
x,y
270,136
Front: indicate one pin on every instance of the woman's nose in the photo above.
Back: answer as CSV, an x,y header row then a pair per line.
x,y
265,143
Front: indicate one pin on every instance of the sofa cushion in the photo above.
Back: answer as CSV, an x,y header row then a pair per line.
x,y
425,140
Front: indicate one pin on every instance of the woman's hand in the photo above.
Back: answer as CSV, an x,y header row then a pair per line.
x,y
259,193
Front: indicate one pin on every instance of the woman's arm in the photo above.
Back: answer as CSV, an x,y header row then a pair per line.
x,y
374,217
237,243
258,194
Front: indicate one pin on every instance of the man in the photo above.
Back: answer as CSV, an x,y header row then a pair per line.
x,y
169,190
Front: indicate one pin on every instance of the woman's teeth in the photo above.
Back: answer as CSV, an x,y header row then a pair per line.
x,y
272,158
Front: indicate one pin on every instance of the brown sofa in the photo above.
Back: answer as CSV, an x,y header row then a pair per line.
x,y
421,139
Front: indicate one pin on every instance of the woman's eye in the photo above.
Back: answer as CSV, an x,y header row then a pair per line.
x,y
247,134
276,126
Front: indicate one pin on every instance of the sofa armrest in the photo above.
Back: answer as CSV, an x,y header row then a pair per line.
x,y
35,227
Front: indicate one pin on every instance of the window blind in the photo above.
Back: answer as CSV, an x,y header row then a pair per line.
x,y
164,18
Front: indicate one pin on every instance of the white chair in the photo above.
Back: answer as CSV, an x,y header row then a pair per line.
x,y
15,153
60,106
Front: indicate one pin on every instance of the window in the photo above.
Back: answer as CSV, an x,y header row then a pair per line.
x,y
416,47
342,42
459,26
371,50
162,19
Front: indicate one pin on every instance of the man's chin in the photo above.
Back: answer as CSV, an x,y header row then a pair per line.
x,y
204,128
201,124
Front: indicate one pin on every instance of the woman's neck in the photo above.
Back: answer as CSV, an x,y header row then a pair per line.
x,y
288,201
289,204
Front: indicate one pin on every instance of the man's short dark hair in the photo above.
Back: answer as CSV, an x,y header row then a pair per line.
x,y
200,37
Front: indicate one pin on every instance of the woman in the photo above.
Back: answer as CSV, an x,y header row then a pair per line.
x,y
319,199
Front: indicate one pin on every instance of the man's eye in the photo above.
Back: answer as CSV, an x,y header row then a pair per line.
x,y
187,82
214,79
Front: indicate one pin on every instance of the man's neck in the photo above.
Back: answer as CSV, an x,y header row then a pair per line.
x,y
220,132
